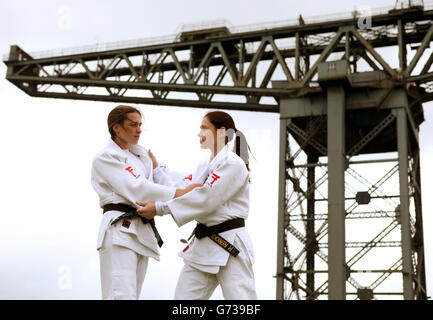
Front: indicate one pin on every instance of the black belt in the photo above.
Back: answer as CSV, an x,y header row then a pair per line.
x,y
202,231
132,212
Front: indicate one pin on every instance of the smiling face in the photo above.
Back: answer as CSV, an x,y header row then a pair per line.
x,y
128,132
207,134
210,137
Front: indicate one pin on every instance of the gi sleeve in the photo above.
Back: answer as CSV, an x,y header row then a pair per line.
x,y
221,185
167,177
162,208
115,173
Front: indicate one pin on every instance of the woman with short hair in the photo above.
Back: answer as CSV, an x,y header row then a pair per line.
x,y
122,173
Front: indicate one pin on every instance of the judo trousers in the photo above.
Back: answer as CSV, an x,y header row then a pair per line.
x,y
122,271
236,280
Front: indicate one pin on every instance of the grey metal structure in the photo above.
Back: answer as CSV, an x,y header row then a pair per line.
x,y
343,106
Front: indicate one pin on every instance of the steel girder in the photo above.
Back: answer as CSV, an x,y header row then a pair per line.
x,y
234,70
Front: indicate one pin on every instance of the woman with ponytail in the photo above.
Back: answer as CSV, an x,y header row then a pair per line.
x,y
220,251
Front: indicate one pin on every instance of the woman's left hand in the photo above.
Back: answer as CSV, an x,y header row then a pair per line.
x,y
147,210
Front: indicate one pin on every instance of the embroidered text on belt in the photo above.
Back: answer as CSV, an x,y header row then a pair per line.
x,y
202,231
132,212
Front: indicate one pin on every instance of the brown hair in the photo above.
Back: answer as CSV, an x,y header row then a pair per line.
x,y
118,115
222,119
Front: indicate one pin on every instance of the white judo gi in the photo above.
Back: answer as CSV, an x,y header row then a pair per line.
x,y
125,176
224,196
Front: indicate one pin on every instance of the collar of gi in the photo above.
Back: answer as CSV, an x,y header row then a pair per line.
x,y
220,156
136,149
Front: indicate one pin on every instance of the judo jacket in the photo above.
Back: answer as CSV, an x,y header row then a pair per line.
x,y
224,196
126,176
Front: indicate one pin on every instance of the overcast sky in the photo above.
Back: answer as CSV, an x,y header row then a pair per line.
x,y
50,213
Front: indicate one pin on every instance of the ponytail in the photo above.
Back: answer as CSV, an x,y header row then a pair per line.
x,y
241,147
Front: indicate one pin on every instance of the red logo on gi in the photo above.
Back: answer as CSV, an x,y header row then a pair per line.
x,y
188,177
215,177
126,223
130,170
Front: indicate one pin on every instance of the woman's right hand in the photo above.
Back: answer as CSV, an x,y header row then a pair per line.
x,y
153,158
181,192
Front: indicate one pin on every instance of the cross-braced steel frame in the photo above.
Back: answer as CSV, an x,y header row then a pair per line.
x,y
344,91
382,213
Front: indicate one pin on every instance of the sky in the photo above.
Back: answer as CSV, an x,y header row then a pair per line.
x,y
50,213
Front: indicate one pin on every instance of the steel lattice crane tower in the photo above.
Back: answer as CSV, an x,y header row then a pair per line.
x,y
349,93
